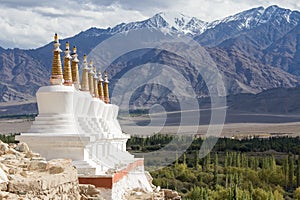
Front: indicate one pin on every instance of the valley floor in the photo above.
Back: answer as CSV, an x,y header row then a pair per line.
x,y
137,126
229,130
14,125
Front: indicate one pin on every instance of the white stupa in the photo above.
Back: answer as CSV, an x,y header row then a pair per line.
x,y
77,121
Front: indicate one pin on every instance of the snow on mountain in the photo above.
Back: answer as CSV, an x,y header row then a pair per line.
x,y
179,23
246,47
175,23
257,16
154,22
183,23
271,22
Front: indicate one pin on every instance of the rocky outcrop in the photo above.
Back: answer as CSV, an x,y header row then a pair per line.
x,y
88,192
26,175
157,194
20,75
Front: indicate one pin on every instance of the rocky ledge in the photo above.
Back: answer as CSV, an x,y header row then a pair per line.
x,y
27,175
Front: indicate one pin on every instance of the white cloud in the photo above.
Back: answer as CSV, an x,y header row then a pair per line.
x,y
30,24
27,27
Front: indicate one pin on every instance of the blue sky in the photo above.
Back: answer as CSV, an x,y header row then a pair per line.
x,y
31,23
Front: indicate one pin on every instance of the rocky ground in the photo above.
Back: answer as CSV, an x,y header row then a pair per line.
x,y
157,194
27,175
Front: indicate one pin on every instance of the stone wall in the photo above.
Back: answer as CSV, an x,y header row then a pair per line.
x,y
26,175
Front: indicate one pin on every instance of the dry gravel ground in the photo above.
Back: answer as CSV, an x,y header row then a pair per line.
x,y
14,126
228,130
128,126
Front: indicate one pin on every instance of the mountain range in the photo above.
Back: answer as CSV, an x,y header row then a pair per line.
x,y
255,50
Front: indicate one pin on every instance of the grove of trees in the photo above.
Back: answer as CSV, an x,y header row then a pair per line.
x,y
256,169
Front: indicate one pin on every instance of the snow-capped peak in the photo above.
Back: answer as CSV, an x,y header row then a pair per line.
x,y
170,22
256,16
174,22
174,19
183,23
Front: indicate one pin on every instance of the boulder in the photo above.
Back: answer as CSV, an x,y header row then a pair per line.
x,y
56,169
170,194
57,166
13,152
4,168
39,165
30,154
22,147
3,176
3,148
157,189
3,186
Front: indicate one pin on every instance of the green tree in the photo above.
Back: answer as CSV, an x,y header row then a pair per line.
x,y
259,194
244,160
278,194
251,189
216,163
196,161
220,193
298,172
297,194
286,171
230,159
272,163
207,162
270,196
184,159
235,192
291,171
238,159
226,160
196,193
176,161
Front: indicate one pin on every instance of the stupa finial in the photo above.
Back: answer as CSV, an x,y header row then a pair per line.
x,y
75,72
67,66
96,91
57,75
100,86
91,78
85,79
106,92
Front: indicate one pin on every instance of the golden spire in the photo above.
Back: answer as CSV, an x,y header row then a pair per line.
x,y
100,86
91,78
106,92
96,92
85,78
75,72
57,76
67,66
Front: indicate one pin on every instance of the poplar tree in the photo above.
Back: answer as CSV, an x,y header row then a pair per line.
x,y
291,171
298,172
196,161
286,171
226,160
216,163
238,159
207,162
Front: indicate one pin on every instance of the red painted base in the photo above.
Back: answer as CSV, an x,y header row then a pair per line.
x,y
107,181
